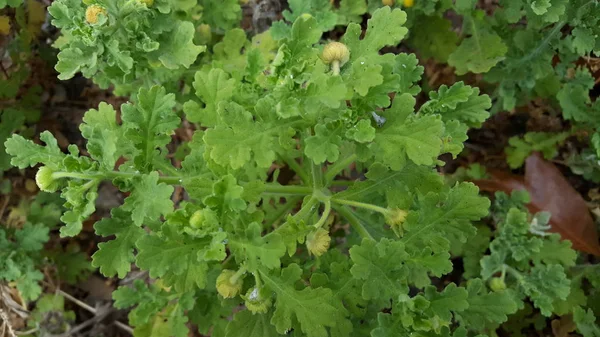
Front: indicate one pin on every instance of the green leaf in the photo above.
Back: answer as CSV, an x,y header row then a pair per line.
x,y
142,207
384,29
443,304
177,48
324,145
32,238
546,284
351,11
485,308
436,39
156,254
212,87
11,121
445,216
417,138
544,142
243,139
258,251
365,75
105,139
26,153
478,53
362,132
408,68
150,122
315,310
115,256
586,322
224,14
379,265
246,324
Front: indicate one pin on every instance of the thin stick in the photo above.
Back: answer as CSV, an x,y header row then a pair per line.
x,y
93,311
6,324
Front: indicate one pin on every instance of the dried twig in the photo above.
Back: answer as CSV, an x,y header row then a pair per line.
x,y
87,307
6,324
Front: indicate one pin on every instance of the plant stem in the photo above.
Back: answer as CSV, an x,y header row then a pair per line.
x,y
288,189
316,172
237,275
354,221
338,167
283,211
295,166
358,204
325,214
178,180
335,67
517,274
303,213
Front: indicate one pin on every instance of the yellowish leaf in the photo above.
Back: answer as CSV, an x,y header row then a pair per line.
x,y
4,25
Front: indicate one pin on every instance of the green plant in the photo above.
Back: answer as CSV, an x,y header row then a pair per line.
x,y
520,148
284,250
22,239
97,35
526,51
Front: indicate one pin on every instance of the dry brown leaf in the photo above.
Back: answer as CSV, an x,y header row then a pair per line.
x,y
550,192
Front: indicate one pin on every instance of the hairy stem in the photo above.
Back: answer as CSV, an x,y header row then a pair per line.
x,y
295,166
325,214
354,221
338,167
359,204
178,180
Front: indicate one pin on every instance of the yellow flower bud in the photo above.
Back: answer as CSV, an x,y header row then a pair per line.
x,y
409,3
92,13
395,218
229,284
148,3
318,242
387,2
45,181
336,52
257,301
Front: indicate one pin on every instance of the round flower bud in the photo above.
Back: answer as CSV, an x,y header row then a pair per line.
x,y
197,219
226,287
395,218
409,3
387,2
336,51
45,181
148,3
318,242
92,13
497,284
257,301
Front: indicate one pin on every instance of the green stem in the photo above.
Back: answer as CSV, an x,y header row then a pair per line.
x,y
517,274
283,211
325,214
237,275
288,189
341,183
335,67
257,281
303,213
354,221
338,167
358,204
295,166
316,172
178,180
